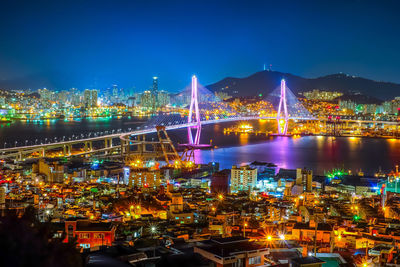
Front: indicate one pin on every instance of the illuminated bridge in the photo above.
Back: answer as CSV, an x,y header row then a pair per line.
x,y
289,108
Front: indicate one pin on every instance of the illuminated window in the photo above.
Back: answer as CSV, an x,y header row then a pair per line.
x,y
99,236
255,260
84,235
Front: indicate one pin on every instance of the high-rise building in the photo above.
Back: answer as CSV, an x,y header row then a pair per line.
x,y
146,100
304,178
243,178
90,98
115,91
163,99
94,98
155,85
86,98
75,97
154,92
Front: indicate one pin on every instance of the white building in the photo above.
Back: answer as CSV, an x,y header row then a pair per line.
x,y
243,178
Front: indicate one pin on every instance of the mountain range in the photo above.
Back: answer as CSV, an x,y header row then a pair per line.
x,y
264,82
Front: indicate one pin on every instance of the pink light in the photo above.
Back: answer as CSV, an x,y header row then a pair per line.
x,y
282,129
194,104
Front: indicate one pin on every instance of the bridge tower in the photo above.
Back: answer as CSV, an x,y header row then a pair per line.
x,y
194,107
283,121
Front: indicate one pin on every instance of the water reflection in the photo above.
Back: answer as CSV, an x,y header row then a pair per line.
x,y
319,153
316,152
243,139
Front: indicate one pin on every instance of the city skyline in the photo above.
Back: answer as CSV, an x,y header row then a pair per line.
x,y
131,42
210,133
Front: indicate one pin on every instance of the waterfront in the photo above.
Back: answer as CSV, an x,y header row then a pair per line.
x,y
316,152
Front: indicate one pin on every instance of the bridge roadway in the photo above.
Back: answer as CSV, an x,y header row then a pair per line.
x,y
19,150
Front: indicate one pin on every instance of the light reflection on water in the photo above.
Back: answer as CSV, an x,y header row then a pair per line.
x,y
319,153
316,152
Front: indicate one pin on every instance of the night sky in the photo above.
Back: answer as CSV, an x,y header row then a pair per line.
x,y
93,44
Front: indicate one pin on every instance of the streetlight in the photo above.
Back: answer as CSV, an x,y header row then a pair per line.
x,y
244,229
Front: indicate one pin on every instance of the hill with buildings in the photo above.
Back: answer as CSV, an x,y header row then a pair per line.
x,y
264,82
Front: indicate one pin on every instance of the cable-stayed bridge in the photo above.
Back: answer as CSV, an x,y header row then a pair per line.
x,y
196,107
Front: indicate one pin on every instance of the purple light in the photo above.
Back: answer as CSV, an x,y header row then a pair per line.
x,y
194,104
282,129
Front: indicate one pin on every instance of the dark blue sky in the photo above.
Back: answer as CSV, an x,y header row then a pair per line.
x,y
82,44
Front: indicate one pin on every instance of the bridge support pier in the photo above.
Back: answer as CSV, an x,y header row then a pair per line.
x,y
107,144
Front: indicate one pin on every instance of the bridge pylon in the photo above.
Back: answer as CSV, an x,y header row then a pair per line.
x,y
194,107
283,121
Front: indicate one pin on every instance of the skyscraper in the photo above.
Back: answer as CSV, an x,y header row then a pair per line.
x,y
154,92
146,100
94,98
86,98
90,98
155,85
115,90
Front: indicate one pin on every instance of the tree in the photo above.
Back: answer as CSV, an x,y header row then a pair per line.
x,y
27,242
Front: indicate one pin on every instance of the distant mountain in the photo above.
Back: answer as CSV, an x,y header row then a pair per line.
x,y
264,82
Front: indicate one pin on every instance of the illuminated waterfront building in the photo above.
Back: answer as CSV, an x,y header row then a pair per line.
x,y
391,107
146,100
155,85
94,98
163,99
115,91
154,92
90,98
75,97
243,178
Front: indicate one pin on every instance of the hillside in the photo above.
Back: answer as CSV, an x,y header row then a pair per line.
x,y
266,81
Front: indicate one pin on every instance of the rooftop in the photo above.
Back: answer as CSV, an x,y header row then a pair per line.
x,y
225,247
307,260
